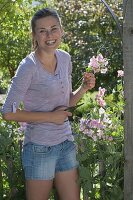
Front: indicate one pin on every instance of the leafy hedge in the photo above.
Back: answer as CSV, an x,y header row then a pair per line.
x,y
89,28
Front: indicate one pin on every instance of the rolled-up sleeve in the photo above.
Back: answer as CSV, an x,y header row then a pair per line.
x,y
18,88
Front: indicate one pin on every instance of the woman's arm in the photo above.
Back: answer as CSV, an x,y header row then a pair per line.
x,y
88,84
57,116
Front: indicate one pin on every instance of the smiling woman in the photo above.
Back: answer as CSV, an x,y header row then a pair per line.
x,y
43,83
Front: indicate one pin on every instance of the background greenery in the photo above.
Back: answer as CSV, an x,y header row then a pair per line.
x,y
89,28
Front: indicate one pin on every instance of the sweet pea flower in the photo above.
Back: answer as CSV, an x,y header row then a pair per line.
x,y
104,71
102,60
101,91
94,65
100,133
120,73
95,123
99,97
110,138
22,127
98,64
89,132
101,102
106,119
101,111
93,62
94,137
82,126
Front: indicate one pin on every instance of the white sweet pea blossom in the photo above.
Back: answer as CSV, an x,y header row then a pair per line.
x,y
101,111
120,73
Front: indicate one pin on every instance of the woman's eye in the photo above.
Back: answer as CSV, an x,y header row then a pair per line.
x,y
42,31
54,29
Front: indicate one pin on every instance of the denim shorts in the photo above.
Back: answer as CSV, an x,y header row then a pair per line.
x,y
43,162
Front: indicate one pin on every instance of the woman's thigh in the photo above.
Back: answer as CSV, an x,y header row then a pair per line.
x,y
66,177
38,189
67,185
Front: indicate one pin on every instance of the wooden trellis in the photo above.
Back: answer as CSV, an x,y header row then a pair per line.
x,y
128,90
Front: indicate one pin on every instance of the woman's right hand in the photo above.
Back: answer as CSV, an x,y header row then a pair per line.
x,y
60,115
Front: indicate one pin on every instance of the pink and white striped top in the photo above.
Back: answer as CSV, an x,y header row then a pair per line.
x,y
41,91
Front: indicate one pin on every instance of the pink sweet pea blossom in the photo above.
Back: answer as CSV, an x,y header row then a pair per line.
x,y
94,64
94,128
110,138
99,97
101,102
101,92
82,124
98,64
102,60
95,123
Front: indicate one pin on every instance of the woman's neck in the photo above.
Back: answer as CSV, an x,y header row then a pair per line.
x,y
47,59
46,55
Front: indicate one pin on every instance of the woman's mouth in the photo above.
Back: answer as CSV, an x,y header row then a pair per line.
x,y
50,42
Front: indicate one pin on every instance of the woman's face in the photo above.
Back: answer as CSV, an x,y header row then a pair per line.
x,y
48,33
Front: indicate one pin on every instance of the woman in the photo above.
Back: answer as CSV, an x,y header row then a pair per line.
x,y
43,83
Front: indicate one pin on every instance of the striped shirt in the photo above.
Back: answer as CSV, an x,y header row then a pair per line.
x,y
41,91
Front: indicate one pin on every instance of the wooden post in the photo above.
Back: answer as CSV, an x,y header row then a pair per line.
x,y
128,90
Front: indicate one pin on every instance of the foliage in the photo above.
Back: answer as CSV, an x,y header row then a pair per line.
x,y
100,137
14,37
88,27
11,173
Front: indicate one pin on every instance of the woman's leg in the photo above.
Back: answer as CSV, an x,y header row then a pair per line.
x,y
39,168
67,185
38,189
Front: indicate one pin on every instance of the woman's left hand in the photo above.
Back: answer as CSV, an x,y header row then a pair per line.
x,y
89,81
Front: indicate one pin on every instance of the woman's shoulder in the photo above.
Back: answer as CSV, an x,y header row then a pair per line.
x,y
29,59
28,63
63,53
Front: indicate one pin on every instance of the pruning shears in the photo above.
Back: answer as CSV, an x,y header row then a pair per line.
x,y
73,108
70,109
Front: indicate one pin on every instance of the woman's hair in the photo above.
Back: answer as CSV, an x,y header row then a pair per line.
x,y
44,12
